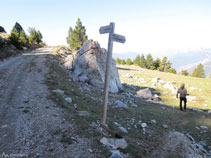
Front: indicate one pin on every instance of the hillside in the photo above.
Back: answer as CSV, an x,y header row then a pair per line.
x,y
198,88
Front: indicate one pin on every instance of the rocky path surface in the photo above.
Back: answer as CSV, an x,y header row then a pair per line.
x,y
31,125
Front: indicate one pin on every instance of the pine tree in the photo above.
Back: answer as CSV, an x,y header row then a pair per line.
x,y
35,37
149,61
117,61
165,65
136,61
123,62
156,64
14,38
142,62
23,39
76,37
184,72
199,71
129,61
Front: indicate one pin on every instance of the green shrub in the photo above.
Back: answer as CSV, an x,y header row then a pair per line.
x,y
2,42
35,36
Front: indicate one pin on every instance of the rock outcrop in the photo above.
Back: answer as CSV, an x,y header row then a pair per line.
x,y
88,65
2,30
18,27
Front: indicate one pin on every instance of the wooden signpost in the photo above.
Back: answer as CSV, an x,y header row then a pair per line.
x,y
112,37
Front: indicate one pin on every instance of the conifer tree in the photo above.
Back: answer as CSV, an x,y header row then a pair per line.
x,y
149,61
123,62
165,65
23,39
156,64
129,61
117,61
136,61
35,36
142,62
14,38
199,71
76,37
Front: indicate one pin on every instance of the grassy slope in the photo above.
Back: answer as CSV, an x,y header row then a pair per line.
x,y
202,91
140,145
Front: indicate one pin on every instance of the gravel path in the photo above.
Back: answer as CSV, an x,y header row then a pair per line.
x,y
30,124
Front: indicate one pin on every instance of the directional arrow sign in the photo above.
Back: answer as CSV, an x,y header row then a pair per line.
x,y
105,29
118,38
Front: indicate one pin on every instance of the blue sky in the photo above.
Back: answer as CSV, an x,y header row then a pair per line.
x,y
153,26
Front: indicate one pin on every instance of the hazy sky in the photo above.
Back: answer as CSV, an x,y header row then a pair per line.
x,y
149,25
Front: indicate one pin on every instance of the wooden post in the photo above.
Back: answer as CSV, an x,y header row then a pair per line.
x,y
112,37
107,75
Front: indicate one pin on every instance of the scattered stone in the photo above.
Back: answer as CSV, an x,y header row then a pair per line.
x,y
120,104
58,91
114,143
153,121
209,111
155,79
190,137
161,82
156,98
204,128
165,126
163,107
196,110
128,75
123,129
143,125
83,113
75,106
90,150
145,93
191,98
4,126
69,100
116,154
117,124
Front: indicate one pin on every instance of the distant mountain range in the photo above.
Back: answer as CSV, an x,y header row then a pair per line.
x,y
190,59
181,60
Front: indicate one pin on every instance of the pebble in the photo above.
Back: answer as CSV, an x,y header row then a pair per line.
x,y
143,125
123,130
69,100
165,126
153,121
4,126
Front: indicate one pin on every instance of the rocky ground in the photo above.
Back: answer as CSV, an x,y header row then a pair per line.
x,y
31,125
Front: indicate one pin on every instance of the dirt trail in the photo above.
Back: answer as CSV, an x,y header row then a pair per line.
x,y
30,124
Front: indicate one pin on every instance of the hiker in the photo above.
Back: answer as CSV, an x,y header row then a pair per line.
x,y
183,93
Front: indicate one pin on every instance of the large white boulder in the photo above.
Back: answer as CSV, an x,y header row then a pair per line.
x,y
88,65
